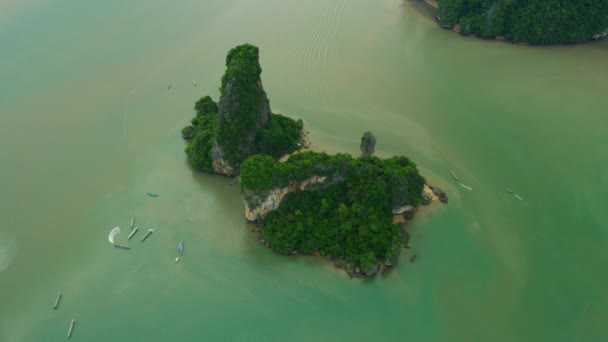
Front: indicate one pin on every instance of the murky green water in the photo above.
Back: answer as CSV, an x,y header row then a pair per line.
x,y
87,127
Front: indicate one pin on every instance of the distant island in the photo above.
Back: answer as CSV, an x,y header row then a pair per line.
x,y
526,21
350,210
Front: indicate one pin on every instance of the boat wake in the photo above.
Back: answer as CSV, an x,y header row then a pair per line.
x,y
459,182
8,251
113,233
466,186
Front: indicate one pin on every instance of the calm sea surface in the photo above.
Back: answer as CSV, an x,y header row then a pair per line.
x,y
88,126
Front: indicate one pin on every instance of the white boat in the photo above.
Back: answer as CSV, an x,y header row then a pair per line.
x,y
71,328
177,260
113,233
132,233
132,222
57,301
194,83
150,231
454,175
466,186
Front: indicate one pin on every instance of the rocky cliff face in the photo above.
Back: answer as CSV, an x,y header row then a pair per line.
x,y
243,109
229,103
220,166
222,136
258,206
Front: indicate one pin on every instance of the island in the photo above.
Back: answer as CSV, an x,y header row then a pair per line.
x,y
351,210
222,136
526,21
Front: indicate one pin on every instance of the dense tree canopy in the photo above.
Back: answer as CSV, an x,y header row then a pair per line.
x,y
529,21
349,217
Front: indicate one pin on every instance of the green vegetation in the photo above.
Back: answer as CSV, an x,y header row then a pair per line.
x,y
529,21
368,144
242,124
280,136
245,106
345,209
348,216
202,134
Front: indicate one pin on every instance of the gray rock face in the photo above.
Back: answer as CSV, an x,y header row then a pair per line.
x,y
229,103
257,207
404,209
372,270
220,165
601,34
443,197
243,109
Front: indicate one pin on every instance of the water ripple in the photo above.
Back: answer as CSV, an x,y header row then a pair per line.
x,y
8,250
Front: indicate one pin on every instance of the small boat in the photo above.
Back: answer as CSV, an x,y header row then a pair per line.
x,y
115,231
510,191
132,233
180,248
454,175
132,222
194,83
170,85
152,194
466,186
117,245
57,301
177,260
150,231
71,328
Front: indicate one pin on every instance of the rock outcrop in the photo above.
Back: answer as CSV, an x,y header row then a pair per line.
x,y
223,135
258,206
324,205
220,165
443,197
368,144
371,270
243,109
404,209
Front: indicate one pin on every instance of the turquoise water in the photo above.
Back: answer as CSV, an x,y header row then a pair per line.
x,y
88,126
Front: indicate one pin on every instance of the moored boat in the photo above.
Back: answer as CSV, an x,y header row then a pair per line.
x,y
454,175
180,248
132,233
150,231
57,301
71,328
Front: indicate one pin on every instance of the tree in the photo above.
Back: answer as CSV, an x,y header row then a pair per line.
x,y
205,105
368,143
